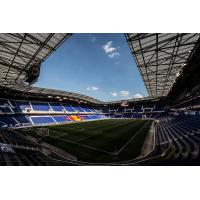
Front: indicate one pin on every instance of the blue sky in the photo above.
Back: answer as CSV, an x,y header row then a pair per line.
x,y
97,65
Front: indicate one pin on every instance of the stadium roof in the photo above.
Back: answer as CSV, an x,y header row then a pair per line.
x,y
160,57
52,94
20,51
62,94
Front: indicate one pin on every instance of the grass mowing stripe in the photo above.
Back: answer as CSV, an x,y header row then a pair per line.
x,y
92,126
113,133
124,146
76,134
113,138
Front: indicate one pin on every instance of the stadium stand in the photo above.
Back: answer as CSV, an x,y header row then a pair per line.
x,y
56,107
38,106
68,108
171,77
42,120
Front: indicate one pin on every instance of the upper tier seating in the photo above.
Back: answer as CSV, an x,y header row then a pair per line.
x,y
86,109
159,107
56,107
138,109
68,108
22,105
40,106
78,109
4,106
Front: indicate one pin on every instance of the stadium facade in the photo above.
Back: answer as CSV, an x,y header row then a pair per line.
x,y
169,66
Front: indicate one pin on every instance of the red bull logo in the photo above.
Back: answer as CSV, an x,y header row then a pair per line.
x,y
75,118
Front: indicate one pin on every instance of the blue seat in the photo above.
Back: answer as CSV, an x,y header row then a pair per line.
x,y
40,106
69,108
56,107
42,120
22,105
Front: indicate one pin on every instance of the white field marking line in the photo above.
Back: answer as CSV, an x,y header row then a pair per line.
x,y
83,145
151,158
154,140
64,135
154,146
91,135
129,141
136,159
115,153
114,124
57,132
101,125
133,161
85,137
88,146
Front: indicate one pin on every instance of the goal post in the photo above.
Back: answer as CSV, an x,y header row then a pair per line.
x,y
43,131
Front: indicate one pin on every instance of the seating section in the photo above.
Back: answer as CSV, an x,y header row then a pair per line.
x,y
38,106
22,119
7,120
4,106
69,108
21,105
42,120
62,119
16,106
17,150
182,134
78,109
86,109
56,107
138,109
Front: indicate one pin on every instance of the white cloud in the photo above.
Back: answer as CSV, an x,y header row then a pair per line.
x,y
92,88
114,94
124,93
110,50
137,95
112,55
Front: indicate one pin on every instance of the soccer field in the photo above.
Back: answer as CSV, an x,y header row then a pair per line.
x,y
102,141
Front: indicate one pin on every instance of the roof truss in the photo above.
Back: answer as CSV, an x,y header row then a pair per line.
x,y
160,57
19,51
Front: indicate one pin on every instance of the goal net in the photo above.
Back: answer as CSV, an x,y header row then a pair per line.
x,y
43,131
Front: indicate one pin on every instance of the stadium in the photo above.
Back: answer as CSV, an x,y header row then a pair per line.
x,y
42,126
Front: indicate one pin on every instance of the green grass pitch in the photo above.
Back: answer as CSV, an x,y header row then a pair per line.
x,y
111,140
